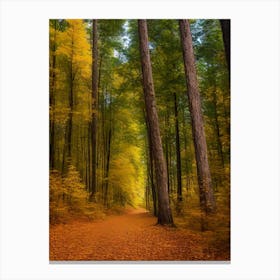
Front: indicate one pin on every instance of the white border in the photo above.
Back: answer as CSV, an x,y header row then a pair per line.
x,y
24,138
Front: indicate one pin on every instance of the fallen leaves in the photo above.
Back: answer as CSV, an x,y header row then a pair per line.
x,y
132,237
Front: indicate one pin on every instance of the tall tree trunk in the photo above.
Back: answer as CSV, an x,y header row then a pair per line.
x,y
178,153
107,167
104,141
167,161
167,143
217,129
187,163
89,158
164,211
67,154
170,169
70,121
207,200
94,104
225,25
52,100
151,167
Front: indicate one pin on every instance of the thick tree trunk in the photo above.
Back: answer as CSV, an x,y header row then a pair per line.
x,y
164,211
225,25
178,153
94,104
207,200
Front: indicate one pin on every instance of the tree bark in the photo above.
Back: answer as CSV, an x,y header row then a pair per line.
x,y
151,165
225,25
207,201
164,211
94,104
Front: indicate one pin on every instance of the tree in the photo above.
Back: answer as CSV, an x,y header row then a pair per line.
x,y
53,47
126,167
178,152
164,211
207,200
214,87
225,25
94,104
74,50
150,167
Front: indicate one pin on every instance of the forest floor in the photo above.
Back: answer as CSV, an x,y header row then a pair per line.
x,y
131,236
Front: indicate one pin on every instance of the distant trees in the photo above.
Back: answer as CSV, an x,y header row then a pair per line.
x,y
81,74
69,76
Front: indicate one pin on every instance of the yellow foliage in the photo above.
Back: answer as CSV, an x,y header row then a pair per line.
x,y
58,209
127,176
68,197
117,80
75,191
75,47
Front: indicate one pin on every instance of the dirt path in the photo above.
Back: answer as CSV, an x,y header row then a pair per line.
x,y
132,236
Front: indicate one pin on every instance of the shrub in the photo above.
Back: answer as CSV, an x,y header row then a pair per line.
x,y
69,198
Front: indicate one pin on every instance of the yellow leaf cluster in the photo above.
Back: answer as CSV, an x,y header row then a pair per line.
x,y
74,46
67,194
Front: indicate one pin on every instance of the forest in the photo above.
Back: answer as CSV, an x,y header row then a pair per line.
x,y
139,139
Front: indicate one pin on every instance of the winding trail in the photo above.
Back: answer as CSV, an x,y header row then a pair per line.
x,y
131,236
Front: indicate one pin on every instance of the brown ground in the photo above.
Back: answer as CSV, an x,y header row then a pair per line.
x,y
131,236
